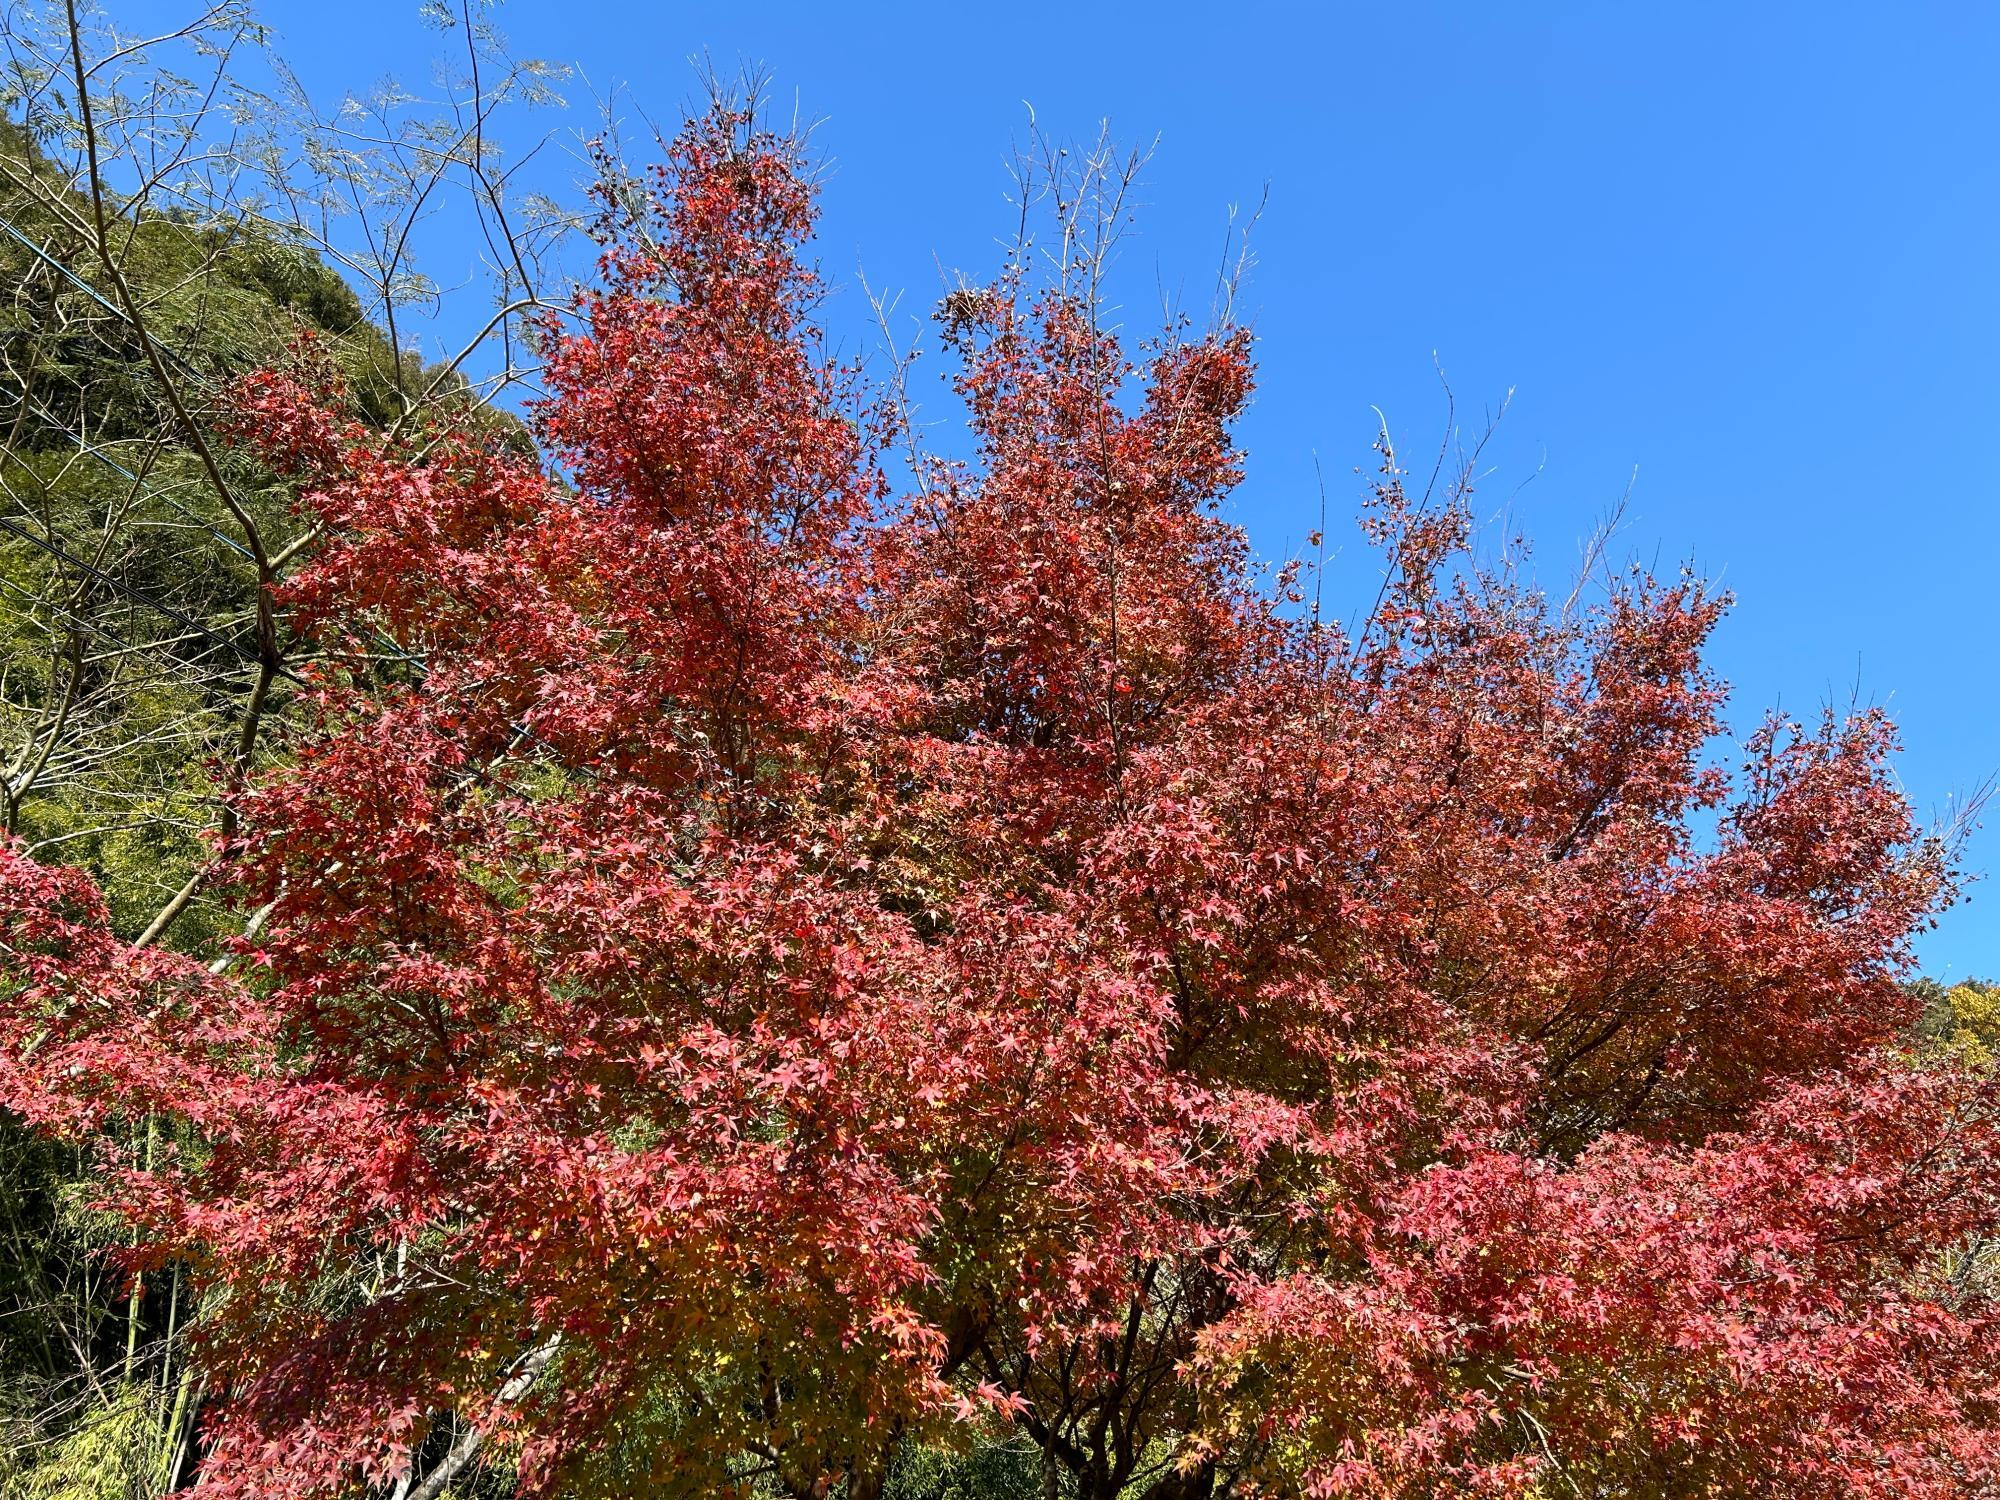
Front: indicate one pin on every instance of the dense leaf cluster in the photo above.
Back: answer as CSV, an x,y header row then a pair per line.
x,y
764,981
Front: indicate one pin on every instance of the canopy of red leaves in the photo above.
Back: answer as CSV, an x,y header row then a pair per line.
x,y
843,963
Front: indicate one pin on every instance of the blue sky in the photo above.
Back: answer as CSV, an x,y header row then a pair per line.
x,y
1751,252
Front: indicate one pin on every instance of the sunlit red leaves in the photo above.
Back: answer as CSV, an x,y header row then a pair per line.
x,y
847,967
1765,1314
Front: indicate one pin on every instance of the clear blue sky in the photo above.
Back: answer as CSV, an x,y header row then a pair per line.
x,y
1749,250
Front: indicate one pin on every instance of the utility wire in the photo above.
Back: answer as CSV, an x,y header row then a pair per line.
x,y
140,596
84,622
55,424
41,253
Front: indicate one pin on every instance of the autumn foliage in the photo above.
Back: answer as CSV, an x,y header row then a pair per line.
x,y
802,963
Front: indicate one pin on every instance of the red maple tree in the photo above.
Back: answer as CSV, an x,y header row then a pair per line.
x,y
760,969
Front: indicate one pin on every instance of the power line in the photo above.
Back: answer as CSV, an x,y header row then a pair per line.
x,y
140,596
41,253
55,424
